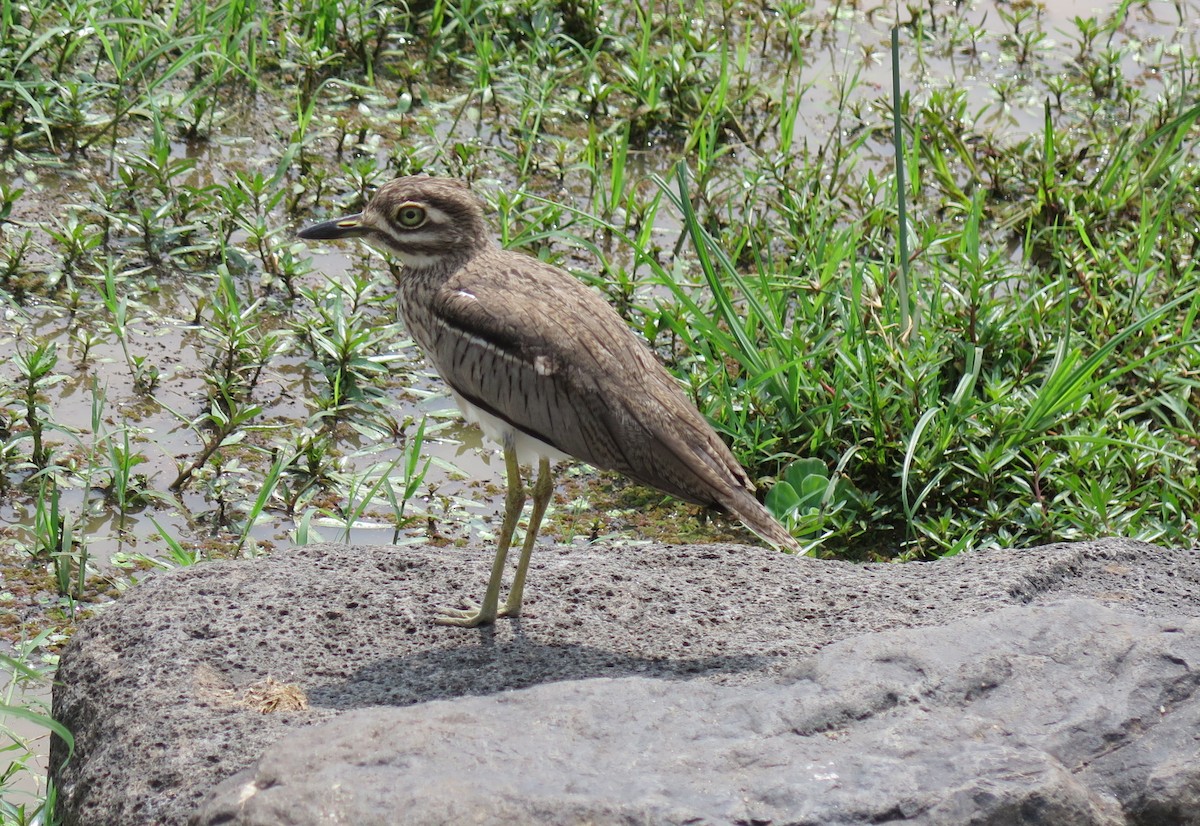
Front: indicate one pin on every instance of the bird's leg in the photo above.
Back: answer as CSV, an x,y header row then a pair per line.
x,y
514,503
542,488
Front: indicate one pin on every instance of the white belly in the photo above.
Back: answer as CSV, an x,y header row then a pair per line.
x,y
529,449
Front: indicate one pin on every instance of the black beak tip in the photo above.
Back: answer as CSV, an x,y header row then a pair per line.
x,y
348,227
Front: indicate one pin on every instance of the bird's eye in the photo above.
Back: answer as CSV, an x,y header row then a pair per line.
x,y
410,216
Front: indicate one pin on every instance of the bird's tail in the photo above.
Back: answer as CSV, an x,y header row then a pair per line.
x,y
744,506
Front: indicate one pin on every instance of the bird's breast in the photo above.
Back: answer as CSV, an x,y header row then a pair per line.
x,y
465,360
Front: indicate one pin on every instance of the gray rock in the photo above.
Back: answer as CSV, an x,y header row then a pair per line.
x,y
955,724
716,684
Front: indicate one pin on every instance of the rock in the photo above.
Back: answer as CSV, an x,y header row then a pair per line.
x,y
953,724
719,684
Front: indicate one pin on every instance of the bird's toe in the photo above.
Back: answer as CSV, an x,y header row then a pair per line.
x,y
469,617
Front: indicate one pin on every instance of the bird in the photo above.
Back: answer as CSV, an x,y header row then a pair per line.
x,y
544,365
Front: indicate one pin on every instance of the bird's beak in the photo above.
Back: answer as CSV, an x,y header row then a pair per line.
x,y
351,226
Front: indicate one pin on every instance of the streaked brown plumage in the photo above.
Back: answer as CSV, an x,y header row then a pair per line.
x,y
543,364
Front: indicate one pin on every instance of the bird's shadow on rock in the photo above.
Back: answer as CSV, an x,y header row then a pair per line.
x,y
493,666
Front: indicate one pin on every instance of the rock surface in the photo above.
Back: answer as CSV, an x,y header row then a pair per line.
x,y
715,684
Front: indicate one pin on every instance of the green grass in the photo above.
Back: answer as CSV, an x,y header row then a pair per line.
x,y
991,344
27,797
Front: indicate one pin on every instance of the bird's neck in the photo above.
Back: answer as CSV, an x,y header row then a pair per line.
x,y
445,263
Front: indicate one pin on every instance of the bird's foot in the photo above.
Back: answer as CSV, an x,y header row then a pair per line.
x,y
472,616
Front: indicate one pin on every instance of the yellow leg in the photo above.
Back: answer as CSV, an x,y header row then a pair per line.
x,y
542,488
514,503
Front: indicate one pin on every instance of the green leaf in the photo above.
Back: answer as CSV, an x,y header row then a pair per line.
x,y
812,491
801,469
781,500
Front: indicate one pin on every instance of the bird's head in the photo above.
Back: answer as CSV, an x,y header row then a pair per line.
x,y
420,220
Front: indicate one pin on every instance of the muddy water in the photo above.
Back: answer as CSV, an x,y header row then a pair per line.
x,y
984,62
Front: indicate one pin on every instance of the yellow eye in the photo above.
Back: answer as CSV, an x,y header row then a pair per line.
x,y
410,216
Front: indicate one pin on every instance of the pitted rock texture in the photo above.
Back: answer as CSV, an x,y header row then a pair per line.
x,y
954,724
720,684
